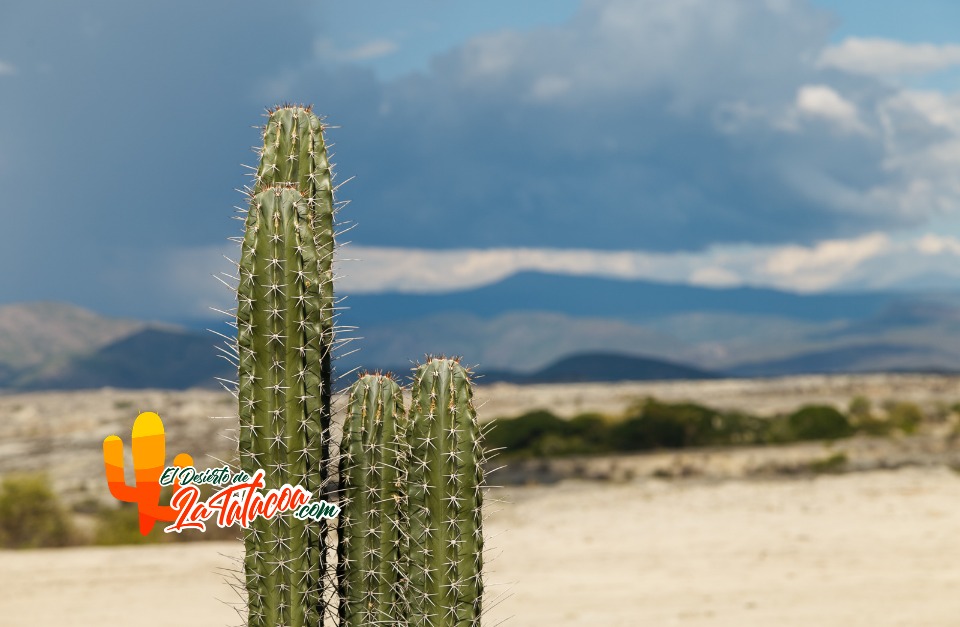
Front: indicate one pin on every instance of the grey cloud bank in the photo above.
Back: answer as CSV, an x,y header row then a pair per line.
x,y
637,125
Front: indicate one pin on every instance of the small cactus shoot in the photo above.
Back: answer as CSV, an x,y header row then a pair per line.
x,y
445,498
373,537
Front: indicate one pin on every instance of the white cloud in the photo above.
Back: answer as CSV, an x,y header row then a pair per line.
x,y
183,281
371,50
375,49
888,57
547,88
714,276
825,265
932,244
824,102
491,55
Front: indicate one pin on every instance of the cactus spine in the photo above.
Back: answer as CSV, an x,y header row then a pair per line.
x,y
445,498
373,539
284,339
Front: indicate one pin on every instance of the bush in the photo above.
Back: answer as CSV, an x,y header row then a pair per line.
x,y
652,424
121,525
642,433
659,425
592,431
31,516
818,422
860,408
523,432
833,464
733,427
675,425
904,416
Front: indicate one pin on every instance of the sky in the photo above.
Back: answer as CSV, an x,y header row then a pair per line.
x,y
805,145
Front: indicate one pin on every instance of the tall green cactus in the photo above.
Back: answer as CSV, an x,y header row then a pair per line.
x,y
410,537
373,538
445,499
284,340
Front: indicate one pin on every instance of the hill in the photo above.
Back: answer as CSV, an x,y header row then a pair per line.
x,y
618,299
600,368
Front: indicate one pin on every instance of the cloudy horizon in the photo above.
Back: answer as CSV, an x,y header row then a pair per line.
x,y
804,146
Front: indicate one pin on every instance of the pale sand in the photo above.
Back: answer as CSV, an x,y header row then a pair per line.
x,y
871,549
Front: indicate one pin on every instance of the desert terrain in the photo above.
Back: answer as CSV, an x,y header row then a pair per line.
x,y
698,537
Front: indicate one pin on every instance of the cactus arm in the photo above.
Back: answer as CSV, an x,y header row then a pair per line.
x,y
294,153
373,541
280,343
445,498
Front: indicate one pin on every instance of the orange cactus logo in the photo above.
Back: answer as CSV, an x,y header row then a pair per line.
x,y
149,454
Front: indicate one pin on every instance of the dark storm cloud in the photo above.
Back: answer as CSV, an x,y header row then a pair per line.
x,y
124,126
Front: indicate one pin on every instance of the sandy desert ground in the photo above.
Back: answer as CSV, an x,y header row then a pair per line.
x,y
723,543
864,549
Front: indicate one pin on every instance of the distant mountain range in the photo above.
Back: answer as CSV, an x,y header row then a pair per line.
x,y
618,299
599,367
530,328
176,359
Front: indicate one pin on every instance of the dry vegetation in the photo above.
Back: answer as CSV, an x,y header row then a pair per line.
x,y
60,433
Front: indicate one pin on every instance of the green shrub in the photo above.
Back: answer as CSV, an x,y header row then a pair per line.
x,y
121,525
874,426
674,425
648,431
818,422
591,431
523,432
698,423
31,516
831,464
862,418
652,424
734,427
556,445
860,408
904,416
